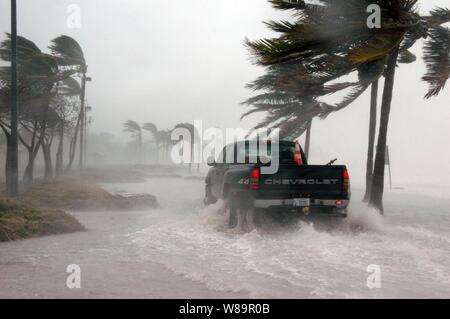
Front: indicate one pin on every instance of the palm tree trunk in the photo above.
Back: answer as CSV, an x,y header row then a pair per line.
x,y
372,133
192,157
28,175
376,197
73,145
12,157
82,117
46,151
308,139
140,148
33,150
60,153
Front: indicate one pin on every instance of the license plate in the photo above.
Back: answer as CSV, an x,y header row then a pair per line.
x,y
302,202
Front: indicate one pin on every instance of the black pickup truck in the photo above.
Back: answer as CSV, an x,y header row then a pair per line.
x,y
296,187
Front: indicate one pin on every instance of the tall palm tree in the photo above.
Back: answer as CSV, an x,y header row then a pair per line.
x,y
164,141
38,73
437,60
371,144
66,89
194,140
70,55
331,39
136,132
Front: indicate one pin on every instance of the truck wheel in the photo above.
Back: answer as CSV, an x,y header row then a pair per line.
x,y
209,198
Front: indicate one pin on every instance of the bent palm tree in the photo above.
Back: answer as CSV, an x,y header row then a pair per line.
x,y
153,129
193,136
70,55
331,39
437,60
136,132
38,74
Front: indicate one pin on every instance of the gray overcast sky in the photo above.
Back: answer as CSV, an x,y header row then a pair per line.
x,y
174,61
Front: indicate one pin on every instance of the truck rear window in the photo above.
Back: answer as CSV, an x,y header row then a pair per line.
x,y
246,153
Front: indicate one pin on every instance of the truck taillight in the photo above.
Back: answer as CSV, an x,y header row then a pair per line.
x,y
254,179
346,180
298,154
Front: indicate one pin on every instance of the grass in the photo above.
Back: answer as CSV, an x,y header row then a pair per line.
x,y
40,209
75,194
20,221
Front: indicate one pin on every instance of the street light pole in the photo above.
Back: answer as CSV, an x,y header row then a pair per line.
x,y
13,148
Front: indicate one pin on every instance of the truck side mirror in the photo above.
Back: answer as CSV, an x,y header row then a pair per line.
x,y
211,161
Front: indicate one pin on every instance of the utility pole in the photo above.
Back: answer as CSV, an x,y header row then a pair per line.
x,y
13,147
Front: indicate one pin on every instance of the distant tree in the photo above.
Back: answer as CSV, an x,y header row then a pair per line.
x,y
153,130
194,140
164,141
136,132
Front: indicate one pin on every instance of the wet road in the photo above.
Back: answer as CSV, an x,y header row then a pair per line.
x,y
184,250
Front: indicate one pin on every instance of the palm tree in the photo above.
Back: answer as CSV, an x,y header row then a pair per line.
x,y
70,55
164,141
437,60
292,97
64,107
194,139
371,146
331,39
153,129
136,132
38,73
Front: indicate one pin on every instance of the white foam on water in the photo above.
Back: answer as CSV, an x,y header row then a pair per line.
x,y
365,217
296,261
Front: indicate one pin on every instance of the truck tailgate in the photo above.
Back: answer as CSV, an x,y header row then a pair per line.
x,y
310,181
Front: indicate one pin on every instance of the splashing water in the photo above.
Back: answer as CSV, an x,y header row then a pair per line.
x,y
299,260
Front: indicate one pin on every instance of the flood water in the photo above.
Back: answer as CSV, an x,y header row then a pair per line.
x,y
411,246
185,250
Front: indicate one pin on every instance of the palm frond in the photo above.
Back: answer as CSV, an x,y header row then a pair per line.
x,y
288,4
437,60
377,47
150,127
68,51
438,16
131,127
69,87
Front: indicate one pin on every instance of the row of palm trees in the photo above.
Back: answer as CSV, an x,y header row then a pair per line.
x,y
329,41
50,94
162,138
